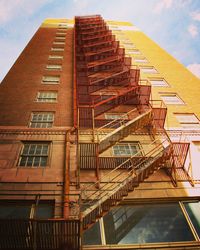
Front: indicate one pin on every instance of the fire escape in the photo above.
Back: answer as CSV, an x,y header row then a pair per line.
x,y
106,81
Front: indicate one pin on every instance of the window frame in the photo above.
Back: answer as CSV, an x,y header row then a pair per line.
x,y
44,99
57,67
165,83
116,114
143,202
51,79
176,101
186,124
154,70
33,155
128,144
42,122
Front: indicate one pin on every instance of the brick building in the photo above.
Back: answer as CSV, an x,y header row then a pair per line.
x,y
99,142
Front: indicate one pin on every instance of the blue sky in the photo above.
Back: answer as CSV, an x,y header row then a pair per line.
x,y
173,24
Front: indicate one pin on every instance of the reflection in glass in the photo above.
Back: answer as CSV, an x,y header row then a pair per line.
x,y
193,210
92,235
146,224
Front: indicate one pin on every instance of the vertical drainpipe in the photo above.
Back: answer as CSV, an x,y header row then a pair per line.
x,y
66,175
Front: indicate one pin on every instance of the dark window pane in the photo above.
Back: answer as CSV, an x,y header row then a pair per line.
x,y
23,161
193,210
146,224
14,212
43,161
92,235
45,211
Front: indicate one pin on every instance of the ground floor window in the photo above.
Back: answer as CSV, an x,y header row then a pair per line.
x,y
147,223
26,210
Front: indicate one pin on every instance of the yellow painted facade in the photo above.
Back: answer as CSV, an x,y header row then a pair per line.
x,y
180,80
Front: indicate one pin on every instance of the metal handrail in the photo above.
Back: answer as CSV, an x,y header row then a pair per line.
x,y
119,166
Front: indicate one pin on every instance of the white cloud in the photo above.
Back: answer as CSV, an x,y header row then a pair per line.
x,y
161,5
192,29
195,69
12,9
196,15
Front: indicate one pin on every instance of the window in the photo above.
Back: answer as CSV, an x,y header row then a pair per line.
x,y
148,70
114,116
61,33
193,210
60,37
133,52
54,67
51,79
55,57
45,96
26,209
58,42
57,49
126,149
143,224
34,154
159,83
42,120
140,60
188,120
171,98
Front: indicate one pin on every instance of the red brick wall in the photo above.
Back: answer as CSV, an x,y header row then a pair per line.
x,y
19,88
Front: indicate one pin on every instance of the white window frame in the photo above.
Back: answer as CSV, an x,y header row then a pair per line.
x,y
188,120
140,60
34,152
115,116
54,67
41,120
148,70
51,79
57,49
158,82
55,57
128,148
58,43
171,99
47,96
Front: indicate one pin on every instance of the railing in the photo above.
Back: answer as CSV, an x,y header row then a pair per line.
x,y
115,123
115,179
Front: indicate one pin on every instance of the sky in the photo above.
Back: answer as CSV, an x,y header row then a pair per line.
x,y
173,24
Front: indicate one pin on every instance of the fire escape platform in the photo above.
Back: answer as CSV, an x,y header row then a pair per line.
x,y
124,130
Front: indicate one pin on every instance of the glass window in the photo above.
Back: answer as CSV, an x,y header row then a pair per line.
x,y
146,224
42,120
54,67
133,52
45,96
171,98
51,79
193,210
26,209
140,60
126,149
114,116
60,37
148,70
58,42
34,154
92,236
57,49
55,57
188,120
159,83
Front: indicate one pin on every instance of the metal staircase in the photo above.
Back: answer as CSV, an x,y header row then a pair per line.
x,y
99,197
104,81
